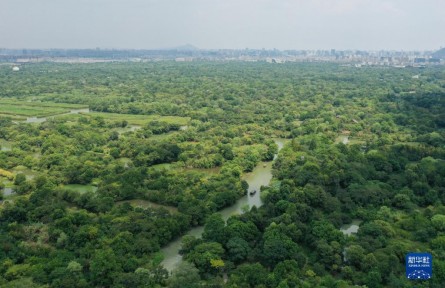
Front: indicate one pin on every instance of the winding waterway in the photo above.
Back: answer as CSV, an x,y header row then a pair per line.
x,y
260,176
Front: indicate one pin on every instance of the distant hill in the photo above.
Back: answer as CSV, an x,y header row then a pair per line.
x,y
186,47
439,54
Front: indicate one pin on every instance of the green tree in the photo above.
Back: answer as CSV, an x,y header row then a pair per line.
x,y
214,229
19,179
237,249
202,255
104,267
249,275
277,246
186,275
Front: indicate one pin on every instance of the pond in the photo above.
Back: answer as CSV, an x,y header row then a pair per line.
x,y
260,176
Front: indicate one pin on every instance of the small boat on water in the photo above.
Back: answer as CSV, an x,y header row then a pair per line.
x,y
251,193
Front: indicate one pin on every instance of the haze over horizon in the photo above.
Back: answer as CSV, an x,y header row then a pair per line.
x,y
224,24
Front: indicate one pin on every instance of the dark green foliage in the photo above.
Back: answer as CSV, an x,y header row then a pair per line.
x,y
184,276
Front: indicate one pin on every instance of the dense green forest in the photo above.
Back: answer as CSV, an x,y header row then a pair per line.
x,y
130,156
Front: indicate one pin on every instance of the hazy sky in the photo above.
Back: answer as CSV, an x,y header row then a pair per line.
x,y
281,24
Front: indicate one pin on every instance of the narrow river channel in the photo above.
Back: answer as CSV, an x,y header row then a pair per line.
x,y
260,176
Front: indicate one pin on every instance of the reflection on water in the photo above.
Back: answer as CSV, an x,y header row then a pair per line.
x,y
260,176
171,252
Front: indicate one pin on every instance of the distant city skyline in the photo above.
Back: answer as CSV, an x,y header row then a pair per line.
x,y
223,24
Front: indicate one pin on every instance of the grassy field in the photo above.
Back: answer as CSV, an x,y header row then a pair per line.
x,y
20,109
30,111
13,117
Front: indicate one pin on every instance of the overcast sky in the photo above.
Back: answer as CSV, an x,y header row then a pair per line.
x,y
281,24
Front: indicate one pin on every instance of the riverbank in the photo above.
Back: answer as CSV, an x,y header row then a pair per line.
x,y
260,176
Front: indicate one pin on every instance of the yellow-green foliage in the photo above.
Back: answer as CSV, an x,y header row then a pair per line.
x,y
6,174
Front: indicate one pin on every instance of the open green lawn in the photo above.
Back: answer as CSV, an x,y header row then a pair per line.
x,y
34,109
31,111
13,117
356,141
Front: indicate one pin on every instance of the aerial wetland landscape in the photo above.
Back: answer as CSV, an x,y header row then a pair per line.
x,y
220,174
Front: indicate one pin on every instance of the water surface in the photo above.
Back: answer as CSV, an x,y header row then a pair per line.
x,y
260,176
